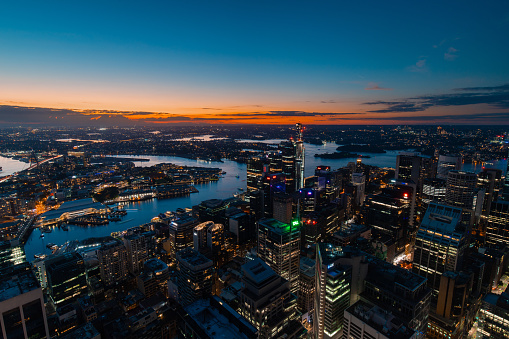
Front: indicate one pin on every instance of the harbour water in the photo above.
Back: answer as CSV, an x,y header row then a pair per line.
x,y
142,212
10,166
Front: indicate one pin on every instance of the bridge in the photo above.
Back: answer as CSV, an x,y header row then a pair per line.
x,y
30,168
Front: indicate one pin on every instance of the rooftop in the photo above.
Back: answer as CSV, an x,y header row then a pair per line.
x,y
17,280
218,320
192,258
72,206
257,270
87,331
155,265
307,266
380,320
384,273
441,217
277,226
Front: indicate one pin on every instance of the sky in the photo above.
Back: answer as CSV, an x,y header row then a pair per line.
x,y
254,62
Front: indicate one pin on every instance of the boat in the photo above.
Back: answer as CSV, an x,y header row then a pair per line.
x,y
237,176
42,235
65,227
47,230
50,245
39,256
240,189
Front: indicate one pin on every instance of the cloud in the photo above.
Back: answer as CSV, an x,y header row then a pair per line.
x,y
374,87
502,88
440,44
303,114
420,66
482,118
328,101
451,55
496,96
19,115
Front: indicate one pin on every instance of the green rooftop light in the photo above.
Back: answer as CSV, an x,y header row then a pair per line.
x,y
295,222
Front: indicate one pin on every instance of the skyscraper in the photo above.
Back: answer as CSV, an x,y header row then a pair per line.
x,y
283,207
267,303
194,276
112,258
21,304
153,278
359,181
299,158
447,163
279,247
398,291
389,213
137,252
490,180
67,278
497,225
408,166
440,244
462,191
181,234
306,285
332,291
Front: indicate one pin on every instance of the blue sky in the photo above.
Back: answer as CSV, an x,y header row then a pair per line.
x,y
179,57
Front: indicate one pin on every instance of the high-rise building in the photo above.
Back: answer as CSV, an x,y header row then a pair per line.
x,y
453,313
200,235
332,291
181,234
279,247
494,316
287,155
490,180
329,182
272,184
21,304
194,276
462,191
11,255
153,278
433,190
66,277
137,252
256,166
213,210
398,291
112,258
359,181
408,166
215,238
320,225
283,207
461,188
447,163
306,298
267,303
440,244
389,213
497,224
299,158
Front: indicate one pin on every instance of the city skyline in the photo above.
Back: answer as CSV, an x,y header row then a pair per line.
x,y
254,63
